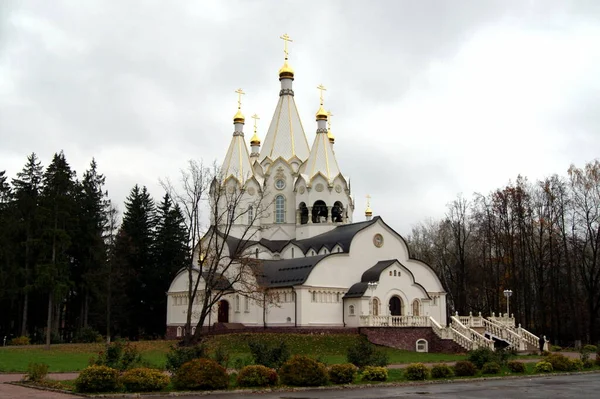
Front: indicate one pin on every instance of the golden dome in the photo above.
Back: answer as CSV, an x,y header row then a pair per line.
x,y
368,211
331,136
286,71
254,140
239,117
321,114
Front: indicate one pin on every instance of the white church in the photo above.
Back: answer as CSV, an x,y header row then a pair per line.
x,y
323,268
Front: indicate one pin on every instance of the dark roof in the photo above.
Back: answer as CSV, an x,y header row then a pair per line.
x,y
220,282
373,273
356,291
287,272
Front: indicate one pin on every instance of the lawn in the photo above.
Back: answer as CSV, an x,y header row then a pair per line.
x,y
330,348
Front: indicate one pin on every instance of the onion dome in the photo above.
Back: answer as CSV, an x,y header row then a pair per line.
x,y
321,114
239,117
330,136
286,71
254,140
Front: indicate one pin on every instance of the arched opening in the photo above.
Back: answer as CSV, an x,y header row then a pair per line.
x,y
223,316
303,213
416,308
319,212
422,346
375,307
250,214
179,330
280,209
395,306
337,212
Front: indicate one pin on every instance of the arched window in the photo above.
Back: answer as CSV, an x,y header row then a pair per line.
x,y
375,307
336,212
416,308
256,253
280,209
314,296
422,346
303,213
250,214
351,310
319,212
179,331
292,252
246,304
193,330
338,297
231,214
237,303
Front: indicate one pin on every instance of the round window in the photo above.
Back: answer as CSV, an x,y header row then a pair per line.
x,y
279,184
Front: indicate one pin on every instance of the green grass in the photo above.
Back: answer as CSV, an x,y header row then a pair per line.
x,y
331,348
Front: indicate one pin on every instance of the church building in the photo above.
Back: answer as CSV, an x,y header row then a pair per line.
x,y
320,266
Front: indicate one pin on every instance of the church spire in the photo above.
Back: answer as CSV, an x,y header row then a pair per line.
x,y
286,71
329,134
254,141
237,159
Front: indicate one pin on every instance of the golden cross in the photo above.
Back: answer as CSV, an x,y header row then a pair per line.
x,y
321,88
240,94
255,117
368,200
329,114
285,39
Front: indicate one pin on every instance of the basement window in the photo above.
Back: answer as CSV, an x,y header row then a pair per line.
x,y
422,345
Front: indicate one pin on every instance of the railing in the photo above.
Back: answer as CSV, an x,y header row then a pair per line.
x,y
477,339
461,339
503,319
442,332
395,321
528,337
501,331
470,320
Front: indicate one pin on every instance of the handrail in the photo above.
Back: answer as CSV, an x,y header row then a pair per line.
x,y
478,339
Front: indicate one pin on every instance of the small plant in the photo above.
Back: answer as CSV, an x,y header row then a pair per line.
x,y
490,368
272,356
555,348
97,379
559,362
179,355
588,364
441,371
374,373
119,355
221,356
586,351
257,376
36,372
144,380
365,354
201,374
22,340
303,371
416,372
464,368
481,356
342,373
87,335
241,362
543,367
576,365
516,366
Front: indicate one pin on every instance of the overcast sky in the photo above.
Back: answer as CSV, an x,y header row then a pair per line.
x,y
430,98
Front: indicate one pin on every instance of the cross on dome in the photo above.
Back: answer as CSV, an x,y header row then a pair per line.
x,y
239,117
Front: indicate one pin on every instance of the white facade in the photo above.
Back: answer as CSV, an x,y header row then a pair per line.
x,y
318,263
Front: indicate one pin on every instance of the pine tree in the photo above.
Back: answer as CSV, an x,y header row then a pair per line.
x,y
9,286
26,194
58,221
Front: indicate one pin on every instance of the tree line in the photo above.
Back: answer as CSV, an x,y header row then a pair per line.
x,y
69,262
541,240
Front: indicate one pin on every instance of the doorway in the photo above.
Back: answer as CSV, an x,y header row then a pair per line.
x,y
223,311
395,306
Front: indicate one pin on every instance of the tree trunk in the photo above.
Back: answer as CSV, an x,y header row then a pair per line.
x,y
49,321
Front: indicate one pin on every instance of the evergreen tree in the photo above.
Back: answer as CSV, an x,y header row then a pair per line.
x,y
57,207
26,195
9,287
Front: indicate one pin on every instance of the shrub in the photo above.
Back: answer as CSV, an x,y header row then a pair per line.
x,y
481,356
464,368
586,351
342,373
588,364
416,372
366,354
441,371
490,368
144,380
179,355
119,355
516,366
555,348
374,373
221,356
36,372
559,362
303,371
97,379
272,356
22,340
257,376
576,364
87,335
590,348
201,374
241,362
543,367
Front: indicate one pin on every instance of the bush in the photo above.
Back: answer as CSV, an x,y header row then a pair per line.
x,y
555,348
586,351
543,367
516,366
201,374
22,340
576,364
221,356
36,372
441,371
374,373
179,355
481,356
365,354
464,368
303,371
257,376
87,335
490,368
272,356
588,364
342,373
241,362
144,380
416,372
97,379
119,355
559,362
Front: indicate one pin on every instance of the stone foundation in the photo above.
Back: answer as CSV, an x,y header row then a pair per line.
x,y
219,330
406,338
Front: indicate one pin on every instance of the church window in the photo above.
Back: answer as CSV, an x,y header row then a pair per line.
x,y
435,300
416,307
375,307
279,209
390,272
338,297
339,249
313,253
256,253
319,212
421,345
289,319
303,213
250,214
179,331
237,303
246,304
394,273
314,296
193,330
351,310
292,252
231,213
280,184
336,212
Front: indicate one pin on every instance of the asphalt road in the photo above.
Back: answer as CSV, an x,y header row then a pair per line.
x,y
580,386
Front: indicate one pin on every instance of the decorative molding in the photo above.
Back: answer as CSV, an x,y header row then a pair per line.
x,y
319,187
321,130
289,92
338,188
301,190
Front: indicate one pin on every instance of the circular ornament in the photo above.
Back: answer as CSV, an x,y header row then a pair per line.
x,y
319,187
279,184
251,191
302,189
230,189
378,240
338,188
